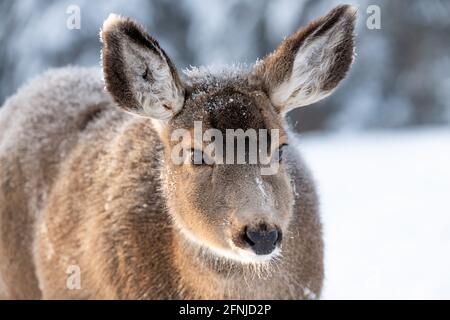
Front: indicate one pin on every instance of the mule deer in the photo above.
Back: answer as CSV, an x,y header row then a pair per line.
x,y
84,184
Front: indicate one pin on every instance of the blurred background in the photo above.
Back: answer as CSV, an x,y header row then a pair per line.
x,y
379,146
400,78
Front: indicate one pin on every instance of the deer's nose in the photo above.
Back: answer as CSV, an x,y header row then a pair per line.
x,y
262,239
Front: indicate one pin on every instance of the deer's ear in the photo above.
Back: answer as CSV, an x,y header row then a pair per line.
x,y
309,64
138,73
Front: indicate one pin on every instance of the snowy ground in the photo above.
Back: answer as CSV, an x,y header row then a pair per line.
x,y
386,210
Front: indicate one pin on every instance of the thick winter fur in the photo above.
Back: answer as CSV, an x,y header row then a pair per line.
x,y
83,183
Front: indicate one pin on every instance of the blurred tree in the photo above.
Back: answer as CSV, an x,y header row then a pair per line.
x,y
400,77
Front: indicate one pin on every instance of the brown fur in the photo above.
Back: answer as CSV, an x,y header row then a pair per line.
x,y
83,183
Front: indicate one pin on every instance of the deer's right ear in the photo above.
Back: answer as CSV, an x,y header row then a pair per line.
x,y
138,73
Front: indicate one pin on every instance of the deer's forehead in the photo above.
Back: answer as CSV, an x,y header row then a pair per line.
x,y
234,110
229,107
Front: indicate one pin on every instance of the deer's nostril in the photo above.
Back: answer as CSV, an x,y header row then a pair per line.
x,y
262,239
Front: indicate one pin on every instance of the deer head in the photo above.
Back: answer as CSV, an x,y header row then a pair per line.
x,y
232,209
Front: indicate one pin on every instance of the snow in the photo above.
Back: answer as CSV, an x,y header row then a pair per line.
x,y
385,207
261,188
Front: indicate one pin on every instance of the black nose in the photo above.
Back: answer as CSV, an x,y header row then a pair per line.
x,y
262,239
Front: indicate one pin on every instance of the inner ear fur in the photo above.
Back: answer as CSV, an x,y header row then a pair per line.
x,y
138,73
309,64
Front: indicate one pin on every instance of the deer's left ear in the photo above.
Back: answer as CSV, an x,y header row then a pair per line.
x,y
309,64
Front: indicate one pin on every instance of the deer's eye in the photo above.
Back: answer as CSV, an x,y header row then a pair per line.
x,y
198,158
280,152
